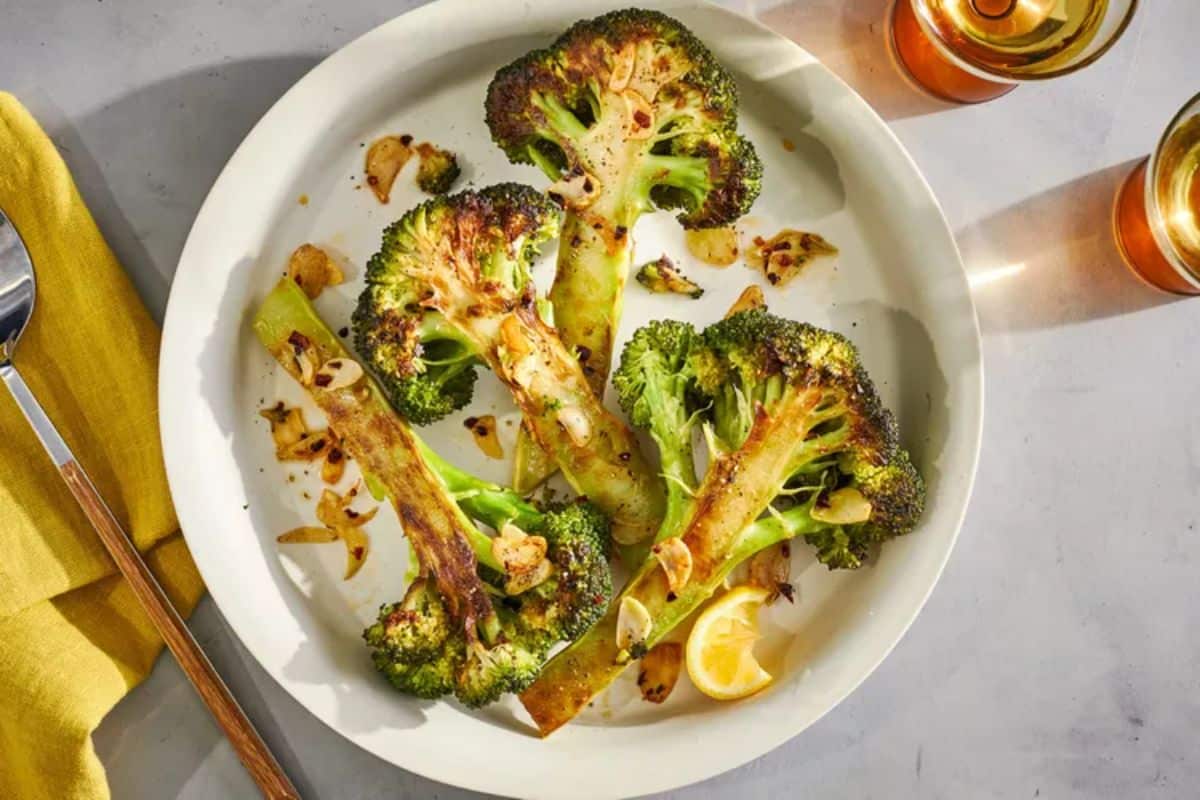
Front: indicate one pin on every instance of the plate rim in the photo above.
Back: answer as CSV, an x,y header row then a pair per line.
x,y
173,339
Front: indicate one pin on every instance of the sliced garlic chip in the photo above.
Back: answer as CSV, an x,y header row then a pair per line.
x,y
633,624
843,507
717,247
524,581
750,299
517,551
659,670
385,158
312,269
771,569
306,367
287,424
676,560
575,424
308,447
338,373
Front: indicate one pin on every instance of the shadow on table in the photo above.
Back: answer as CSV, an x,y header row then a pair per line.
x,y
180,132
854,40
1052,259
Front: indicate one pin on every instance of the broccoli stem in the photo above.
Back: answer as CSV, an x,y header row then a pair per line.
x,y
593,265
487,502
384,447
719,529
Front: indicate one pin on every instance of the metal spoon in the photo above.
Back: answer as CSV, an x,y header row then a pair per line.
x,y
17,292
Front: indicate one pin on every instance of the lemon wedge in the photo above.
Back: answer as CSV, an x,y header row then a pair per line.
x,y
720,649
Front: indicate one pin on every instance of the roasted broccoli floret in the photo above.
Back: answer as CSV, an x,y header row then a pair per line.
x,y
415,643
799,446
653,384
426,367
479,624
663,277
625,112
577,536
438,170
467,257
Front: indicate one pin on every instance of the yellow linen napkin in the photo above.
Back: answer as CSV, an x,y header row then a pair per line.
x,y
73,639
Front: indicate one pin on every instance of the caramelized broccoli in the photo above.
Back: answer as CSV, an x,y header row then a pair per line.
x,y
467,257
626,112
800,447
449,634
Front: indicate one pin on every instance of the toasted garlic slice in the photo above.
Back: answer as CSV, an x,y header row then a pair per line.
x,y
575,424
623,62
309,534
385,158
517,551
843,507
659,670
287,424
338,373
334,466
483,430
633,624
750,299
771,569
577,190
312,269
357,546
334,510
639,116
676,560
524,581
309,447
784,255
717,247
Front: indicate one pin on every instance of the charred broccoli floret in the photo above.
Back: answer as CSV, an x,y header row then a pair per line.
x,y
480,624
625,112
438,170
426,367
800,446
467,257
661,276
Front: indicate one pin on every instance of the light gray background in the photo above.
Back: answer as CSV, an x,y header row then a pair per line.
x,y
1058,656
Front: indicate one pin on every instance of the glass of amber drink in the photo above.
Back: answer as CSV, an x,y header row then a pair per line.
x,y
969,51
1156,219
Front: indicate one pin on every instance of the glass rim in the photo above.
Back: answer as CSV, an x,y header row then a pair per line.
x,y
1154,215
999,76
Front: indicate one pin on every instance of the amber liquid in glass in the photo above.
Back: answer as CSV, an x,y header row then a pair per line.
x,y
1007,38
1176,216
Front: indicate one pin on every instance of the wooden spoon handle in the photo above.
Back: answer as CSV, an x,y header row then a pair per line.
x,y
248,745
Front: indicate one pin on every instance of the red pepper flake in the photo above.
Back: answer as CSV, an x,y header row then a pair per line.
x,y
322,379
641,118
358,553
299,341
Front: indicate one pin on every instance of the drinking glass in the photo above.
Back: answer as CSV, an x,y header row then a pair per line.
x,y
969,51
1156,218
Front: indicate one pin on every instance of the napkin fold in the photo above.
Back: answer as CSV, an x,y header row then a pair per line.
x,y
73,639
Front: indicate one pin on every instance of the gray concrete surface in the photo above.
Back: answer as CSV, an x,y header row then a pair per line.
x,y
1058,656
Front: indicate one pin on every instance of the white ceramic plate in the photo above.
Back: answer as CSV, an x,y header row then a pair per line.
x,y
898,289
